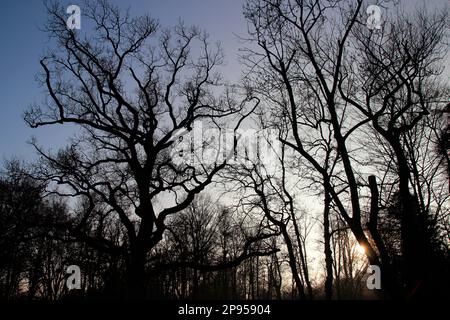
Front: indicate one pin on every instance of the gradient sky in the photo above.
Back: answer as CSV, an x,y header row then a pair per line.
x,y
23,44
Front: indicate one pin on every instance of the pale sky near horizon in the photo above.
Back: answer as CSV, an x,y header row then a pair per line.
x,y
23,44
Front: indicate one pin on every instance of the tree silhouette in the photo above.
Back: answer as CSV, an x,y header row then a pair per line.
x,y
131,93
351,78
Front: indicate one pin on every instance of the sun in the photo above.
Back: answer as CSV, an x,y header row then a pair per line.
x,y
361,249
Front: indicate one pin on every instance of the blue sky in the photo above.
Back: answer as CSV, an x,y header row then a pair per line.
x,y
23,44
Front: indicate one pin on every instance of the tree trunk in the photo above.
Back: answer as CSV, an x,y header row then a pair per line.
x,y
327,250
413,241
293,262
390,280
136,275
303,261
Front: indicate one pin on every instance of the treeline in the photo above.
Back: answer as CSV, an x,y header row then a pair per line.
x,y
196,260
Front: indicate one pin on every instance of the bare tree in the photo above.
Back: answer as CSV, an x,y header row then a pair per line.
x,y
131,93
265,191
395,86
305,59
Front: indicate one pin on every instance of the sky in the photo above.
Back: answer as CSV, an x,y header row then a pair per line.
x,y
22,44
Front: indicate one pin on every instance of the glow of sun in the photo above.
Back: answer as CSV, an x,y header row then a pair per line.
x,y
360,249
